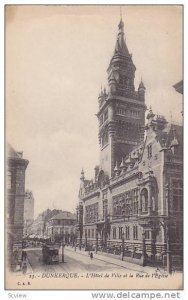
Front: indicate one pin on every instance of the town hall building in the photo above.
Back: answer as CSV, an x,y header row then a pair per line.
x,y
133,207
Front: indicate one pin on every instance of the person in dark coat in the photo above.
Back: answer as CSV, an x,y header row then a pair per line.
x,y
91,255
24,267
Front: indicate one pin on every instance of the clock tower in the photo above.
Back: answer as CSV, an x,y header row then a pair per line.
x,y
121,112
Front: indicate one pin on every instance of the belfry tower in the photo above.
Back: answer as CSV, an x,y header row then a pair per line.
x,y
121,112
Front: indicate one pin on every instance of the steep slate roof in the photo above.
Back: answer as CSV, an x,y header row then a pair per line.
x,y
169,133
141,85
64,215
86,182
121,47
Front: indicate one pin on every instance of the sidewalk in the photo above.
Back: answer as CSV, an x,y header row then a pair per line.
x,y
115,261
29,270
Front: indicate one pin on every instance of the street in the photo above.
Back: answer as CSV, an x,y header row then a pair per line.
x,y
74,262
79,271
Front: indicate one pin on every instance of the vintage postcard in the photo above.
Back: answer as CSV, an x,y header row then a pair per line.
x,y
94,147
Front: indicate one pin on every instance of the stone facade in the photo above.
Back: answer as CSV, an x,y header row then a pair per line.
x,y
29,206
134,205
61,227
39,225
16,167
121,110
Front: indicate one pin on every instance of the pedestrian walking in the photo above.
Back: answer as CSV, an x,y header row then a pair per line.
x,y
91,255
24,267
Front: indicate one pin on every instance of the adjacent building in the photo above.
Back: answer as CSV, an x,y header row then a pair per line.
x,y
39,224
61,227
15,183
134,204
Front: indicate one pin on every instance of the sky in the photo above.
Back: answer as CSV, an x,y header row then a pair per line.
x,y
56,62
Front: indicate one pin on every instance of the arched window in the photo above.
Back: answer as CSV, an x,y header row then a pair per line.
x,y
144,200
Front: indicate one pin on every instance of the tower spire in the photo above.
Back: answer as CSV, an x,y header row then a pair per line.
x,y
141,85
121,133
121,47
82,175
120,14
121,24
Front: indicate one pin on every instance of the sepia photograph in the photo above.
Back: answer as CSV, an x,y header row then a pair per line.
x,y
94,147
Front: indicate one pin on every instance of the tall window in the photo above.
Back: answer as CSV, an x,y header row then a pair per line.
x,y
121,111
118,210
105,208
126,204
135,232
114,233
91,213
128,210
147,234
177,190
120,232
144,200
135,202
127,236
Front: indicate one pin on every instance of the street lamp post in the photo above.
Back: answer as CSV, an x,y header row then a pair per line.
x,y
80,240
123,239
143,249
168,252
86,241
96,249
62,244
